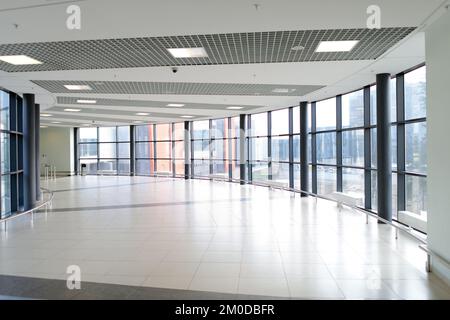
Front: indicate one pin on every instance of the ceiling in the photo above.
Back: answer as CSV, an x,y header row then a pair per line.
x,y
120,52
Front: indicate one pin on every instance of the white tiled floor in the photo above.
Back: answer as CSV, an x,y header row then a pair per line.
x,y
213,236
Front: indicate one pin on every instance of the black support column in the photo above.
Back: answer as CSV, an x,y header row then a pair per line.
x,y
242,148
384,148
75,150
187,149
132,152
304,147
29,151
37,126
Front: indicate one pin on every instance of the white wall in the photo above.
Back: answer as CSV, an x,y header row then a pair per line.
x,y
438,117
57,146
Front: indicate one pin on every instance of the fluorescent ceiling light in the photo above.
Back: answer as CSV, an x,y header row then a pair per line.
x,y
142,114
137,121
46,115
336,46
280,90
187,116
43,126
56,122
188,52
86,124
19,60
87,101
77,87
175,105
72,110
234,108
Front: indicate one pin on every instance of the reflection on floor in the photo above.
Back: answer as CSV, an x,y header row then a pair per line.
x,y
210,237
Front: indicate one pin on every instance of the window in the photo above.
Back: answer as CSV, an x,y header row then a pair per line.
x,y
326,115
105,150
415,94
10,160
353,109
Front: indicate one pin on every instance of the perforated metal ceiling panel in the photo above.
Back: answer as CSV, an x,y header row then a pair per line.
x,y
232,48
185,88
148,104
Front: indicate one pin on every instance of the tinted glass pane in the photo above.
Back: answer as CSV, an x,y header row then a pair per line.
x,y
296,140
326,180
144,150
144,167
280,173
200,129
5,196
258,124
353,109
416,194
235,149
123,166
326,114
393,101
201,168
235,127
296,120
415,94
91,165
219,128
163,166
220,167
88,150
326,148
353,148
416,147
4,114
235,170
88,134
124,150
179,150
260,171
107,150
393,147
106,166
280,148
280,122
5,152
259,148
178,131
107,134
163,132
123,134
353,181
144,133
201,149
163,150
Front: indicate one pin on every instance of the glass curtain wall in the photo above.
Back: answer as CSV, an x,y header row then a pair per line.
x,y
105,150
11,141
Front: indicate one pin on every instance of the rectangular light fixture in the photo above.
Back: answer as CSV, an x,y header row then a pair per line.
x,y
176,105
72,110
77,87
56,122
86,101
188,52
187,117
234,108
46,115
142,114
43,127
19,60
336,46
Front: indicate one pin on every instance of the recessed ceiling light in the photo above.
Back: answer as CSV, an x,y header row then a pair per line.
x,y
142,114
188,52
87,101
336,46
43,127
46,115
234,108
175,105
56,122
86,124
72,110
187,116
19,60
77,87
280,90
137,121
298,48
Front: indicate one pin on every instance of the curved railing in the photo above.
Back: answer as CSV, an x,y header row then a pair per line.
x,y
45,203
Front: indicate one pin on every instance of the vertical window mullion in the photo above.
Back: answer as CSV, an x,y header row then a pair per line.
x,y
291,147
313,149
401,192
367,151
339,143
269,145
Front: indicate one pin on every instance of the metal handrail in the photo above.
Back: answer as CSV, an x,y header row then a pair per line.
x,y
45,204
